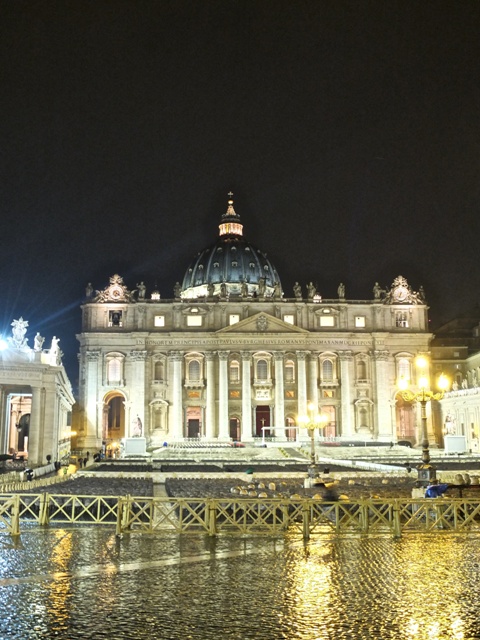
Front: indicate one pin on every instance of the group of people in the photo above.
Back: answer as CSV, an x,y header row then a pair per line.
x,y
82,462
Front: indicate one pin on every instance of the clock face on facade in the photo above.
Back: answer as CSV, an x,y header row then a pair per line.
x,y
400,294
116,292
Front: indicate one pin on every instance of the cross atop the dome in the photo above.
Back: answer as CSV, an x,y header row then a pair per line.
x,y
230,195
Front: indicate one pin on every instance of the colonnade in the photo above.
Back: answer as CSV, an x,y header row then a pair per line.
x,y
217,406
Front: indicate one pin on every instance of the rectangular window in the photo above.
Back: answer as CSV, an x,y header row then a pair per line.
x,y
115,319
401,319
290,394
327,321
359,321
194,321
194,394
234,394
328,393
289,319
159,321
234,318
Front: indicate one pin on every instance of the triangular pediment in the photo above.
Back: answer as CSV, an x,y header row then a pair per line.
x,y
262,323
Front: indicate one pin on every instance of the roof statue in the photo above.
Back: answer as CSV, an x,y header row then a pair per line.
x,y
297,291
55,353
115,292
18,340
38,342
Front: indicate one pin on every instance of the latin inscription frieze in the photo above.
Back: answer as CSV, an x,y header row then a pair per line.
x,y
260,341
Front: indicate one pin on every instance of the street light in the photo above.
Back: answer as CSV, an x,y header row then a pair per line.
x,y
426,472
313,421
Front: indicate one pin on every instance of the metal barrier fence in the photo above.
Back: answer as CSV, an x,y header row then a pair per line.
x,y
252,516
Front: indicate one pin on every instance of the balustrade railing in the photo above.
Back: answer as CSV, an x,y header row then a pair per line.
x,y
245,516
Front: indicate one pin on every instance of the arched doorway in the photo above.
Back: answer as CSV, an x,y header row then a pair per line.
x,y
20,406
290,429
405,420
113,423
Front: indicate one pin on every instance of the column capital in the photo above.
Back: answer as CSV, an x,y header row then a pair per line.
x,y
246,356
345,356
210,356
176,356
92,356
379,355
138,356
223,355
279,356
302,355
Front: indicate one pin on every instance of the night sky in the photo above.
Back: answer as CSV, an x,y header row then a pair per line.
x,y
349,133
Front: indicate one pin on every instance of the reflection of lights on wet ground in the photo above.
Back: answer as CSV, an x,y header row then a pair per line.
x,y
417,588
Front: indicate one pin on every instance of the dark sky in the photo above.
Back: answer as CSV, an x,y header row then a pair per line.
x,y
348,131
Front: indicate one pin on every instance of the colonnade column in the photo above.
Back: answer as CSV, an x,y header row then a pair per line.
x,y
210,407
383,425
50,413
175,427
347,424
302,389
246,397
313,379
35,437
223,425
138,390
279,417
92,431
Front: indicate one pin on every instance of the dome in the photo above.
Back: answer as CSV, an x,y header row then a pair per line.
x,y
231,266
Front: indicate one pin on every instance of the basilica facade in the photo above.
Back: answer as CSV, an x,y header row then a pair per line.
x,y
232,357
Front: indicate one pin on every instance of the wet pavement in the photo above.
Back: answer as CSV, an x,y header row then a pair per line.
x,y
86,583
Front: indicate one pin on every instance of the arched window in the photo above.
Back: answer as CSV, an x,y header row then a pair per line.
x,y
114,368
194,370
361,370
159,370
234,371
289,371
262,370
327,370
403,369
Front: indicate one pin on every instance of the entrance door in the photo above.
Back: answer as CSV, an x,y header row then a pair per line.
x,y
235,429
262,419
405,421
193,428
194,424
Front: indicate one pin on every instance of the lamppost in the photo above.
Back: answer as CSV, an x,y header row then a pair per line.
x,y
312,421
426,471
